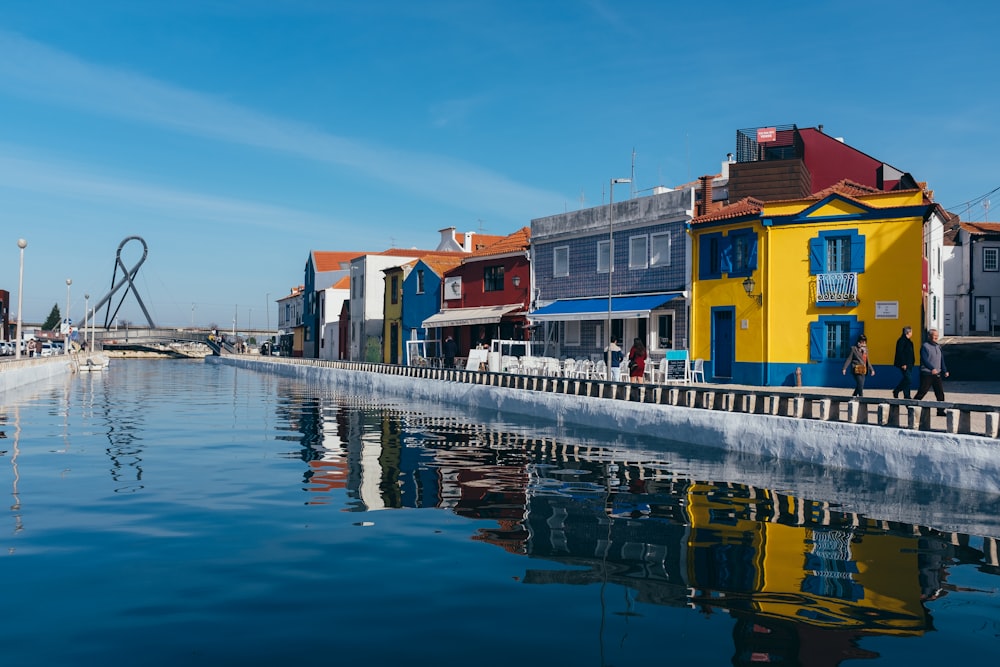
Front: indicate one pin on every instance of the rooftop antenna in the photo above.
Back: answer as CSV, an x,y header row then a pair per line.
x,y
986,210
482,225
631,187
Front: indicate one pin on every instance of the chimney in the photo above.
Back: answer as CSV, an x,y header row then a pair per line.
x,y
706,195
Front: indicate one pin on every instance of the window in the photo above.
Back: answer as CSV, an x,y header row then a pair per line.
x,y
637,252
665,331
560,261
990,259
742,253
603,256
493,279
573,332
710,256
831,337
659,249
841,251
838,254
394,288
420,281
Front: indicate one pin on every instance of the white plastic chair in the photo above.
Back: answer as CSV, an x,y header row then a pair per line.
x,y
600,371
651,371
698,370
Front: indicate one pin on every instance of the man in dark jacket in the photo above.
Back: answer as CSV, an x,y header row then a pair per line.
x,y
904,362
932,368
450,352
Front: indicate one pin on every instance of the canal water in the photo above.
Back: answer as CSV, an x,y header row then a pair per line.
x,y
177,512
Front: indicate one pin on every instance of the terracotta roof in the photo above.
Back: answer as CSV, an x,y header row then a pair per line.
x,y
981,228
480,241
519,240
415,252
745,206
846,187
332,260
343,283
441,264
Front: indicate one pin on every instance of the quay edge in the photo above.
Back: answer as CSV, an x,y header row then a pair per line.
x,y
953,460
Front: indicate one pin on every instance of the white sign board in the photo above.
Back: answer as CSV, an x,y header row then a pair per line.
x,y
886,310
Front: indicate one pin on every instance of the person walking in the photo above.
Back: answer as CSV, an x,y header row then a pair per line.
x,y
450,349
637,361
616,357
932,369
904,362
860,367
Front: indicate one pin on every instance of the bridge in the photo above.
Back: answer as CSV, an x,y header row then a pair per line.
x,y
155,339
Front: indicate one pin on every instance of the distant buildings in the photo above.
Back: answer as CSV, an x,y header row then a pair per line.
x,y
766,271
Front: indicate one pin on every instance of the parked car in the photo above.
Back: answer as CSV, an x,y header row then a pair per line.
x,y
47,350
6,349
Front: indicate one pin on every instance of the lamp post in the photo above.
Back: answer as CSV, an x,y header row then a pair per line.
x,y
22,244
86,316
611,255
69,281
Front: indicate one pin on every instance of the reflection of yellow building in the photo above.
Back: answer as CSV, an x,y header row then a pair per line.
x,y
740,557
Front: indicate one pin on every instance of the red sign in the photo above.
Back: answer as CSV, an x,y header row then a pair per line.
x,y
766,134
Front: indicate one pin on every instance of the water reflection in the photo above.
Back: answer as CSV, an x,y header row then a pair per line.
x,y
791,572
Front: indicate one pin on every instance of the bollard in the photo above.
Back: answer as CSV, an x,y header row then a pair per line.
x,y
853,410
727,402
690,398
883,414
708,400
796,406
673,396
924,418
992,424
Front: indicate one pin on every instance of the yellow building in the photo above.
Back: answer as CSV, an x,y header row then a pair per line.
x,y
392,324
787,286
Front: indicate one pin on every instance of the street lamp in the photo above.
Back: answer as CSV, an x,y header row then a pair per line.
x,y
611,255
86,315
69,282
22,244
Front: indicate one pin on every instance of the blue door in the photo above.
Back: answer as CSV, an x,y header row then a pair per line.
x,y
723,341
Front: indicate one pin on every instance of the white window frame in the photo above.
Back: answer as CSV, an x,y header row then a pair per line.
x,y
603,253
638,259
572,333
557,271
991,259
660,258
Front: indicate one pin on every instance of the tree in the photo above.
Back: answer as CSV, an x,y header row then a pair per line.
x,y
54,319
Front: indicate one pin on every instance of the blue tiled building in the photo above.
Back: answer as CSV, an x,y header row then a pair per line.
x,y
647,287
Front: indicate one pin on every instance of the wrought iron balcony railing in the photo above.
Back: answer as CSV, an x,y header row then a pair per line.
x,y
841,287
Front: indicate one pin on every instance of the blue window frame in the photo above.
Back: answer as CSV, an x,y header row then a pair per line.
x,y
837,251
832,336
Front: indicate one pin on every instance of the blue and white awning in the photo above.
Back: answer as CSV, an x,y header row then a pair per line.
x,y
622,307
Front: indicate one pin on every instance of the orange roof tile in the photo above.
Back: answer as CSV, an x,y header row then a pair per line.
x,y
745,206
441,264
519,240
981,227
333,260
343,283
480,241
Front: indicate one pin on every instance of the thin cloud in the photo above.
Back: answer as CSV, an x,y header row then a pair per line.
x,y
70,182
32,70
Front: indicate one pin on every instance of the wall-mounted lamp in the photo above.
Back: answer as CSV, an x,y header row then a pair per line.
x,y
748,287
516,280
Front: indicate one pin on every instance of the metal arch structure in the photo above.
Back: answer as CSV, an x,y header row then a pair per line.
x,y
128,274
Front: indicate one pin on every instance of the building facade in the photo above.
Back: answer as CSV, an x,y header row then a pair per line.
x,y
782,289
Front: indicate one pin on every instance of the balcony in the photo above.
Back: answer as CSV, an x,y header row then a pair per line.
x,y
838,288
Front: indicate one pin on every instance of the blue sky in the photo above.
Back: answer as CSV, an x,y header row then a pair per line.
x,y
235,137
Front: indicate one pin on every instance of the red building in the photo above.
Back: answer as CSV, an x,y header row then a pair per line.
x,y
487,296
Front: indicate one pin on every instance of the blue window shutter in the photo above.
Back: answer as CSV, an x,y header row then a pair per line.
x,y
704,257
856,329
752,259
816,346
858,253
725,254
817,250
